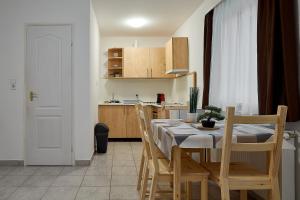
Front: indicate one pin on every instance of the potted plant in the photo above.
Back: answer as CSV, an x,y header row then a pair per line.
x,y
194,94
211,112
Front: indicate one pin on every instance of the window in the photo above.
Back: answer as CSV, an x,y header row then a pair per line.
x,y
233,77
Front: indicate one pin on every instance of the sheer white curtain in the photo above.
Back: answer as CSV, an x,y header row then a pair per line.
x,y
233,79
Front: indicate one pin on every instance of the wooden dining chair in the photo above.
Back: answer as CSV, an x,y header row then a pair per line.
x,y
242,176
158,169
144,125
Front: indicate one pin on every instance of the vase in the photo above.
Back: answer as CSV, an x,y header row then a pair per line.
x,y
192,117
208,123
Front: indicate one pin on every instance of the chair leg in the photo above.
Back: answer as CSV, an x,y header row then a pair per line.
x,y
225,194
153,187
275,193
204,189
144,181
141,171
243,195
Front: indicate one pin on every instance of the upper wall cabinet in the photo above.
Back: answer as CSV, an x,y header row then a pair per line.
x,y
177,55
136,62
158,63
145,63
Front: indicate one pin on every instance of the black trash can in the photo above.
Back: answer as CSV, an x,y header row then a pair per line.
x,y
101,135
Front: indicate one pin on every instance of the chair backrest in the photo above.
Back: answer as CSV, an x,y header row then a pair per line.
x,y
147,138
273,147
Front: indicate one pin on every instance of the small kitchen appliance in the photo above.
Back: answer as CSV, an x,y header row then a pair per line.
x,y
160,98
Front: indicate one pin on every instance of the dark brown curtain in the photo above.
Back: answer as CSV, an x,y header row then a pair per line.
x,y
277,57
208,30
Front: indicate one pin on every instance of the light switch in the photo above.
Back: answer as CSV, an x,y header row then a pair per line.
x,y
12,84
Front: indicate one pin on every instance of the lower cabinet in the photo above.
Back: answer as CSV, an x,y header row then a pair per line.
x,y
121,120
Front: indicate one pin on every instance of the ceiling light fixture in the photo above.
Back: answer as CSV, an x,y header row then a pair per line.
x,y
137,22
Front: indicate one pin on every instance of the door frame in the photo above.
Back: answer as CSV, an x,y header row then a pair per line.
x,y
25,95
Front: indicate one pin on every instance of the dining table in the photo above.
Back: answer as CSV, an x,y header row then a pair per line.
x,y
174,136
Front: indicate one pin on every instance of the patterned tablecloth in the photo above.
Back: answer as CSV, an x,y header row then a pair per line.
x,y
186,136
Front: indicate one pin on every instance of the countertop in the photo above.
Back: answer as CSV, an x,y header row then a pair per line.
x,y
171,106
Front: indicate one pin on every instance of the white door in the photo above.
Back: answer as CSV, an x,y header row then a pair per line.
x,y
48,81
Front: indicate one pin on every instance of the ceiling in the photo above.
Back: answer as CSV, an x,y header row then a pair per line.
x,y
164,16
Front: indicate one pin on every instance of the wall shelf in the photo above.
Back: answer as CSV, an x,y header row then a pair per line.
x,y
115,63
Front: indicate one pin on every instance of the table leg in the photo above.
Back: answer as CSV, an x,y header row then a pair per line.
x,y
177,173
208,155
202,156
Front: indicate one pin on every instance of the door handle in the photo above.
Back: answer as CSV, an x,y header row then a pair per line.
x,y
32,95
151,72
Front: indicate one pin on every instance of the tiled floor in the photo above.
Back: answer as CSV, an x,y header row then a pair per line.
x,y
111,176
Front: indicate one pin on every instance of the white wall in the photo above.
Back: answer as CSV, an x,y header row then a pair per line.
x,y
193,28
94,75
14,15
127,89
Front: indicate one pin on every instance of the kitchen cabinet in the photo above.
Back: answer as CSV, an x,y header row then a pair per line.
x,y
145,63
113,117
158,63
121,120
177,55
132,126
136,62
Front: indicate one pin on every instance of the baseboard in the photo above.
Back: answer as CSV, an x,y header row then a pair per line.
x,y
11,162
84,162
124,139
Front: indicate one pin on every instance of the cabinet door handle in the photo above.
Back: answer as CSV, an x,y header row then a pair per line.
x,y
32,95
151,72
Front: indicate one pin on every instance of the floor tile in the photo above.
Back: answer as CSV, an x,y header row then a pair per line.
x,y
124,171
28,193
136,144
23,171
123,156
120,149
5,170
137,150
73,171
96,181
93,193
102,163
103,157
121,144
124,180
137,163
48,171
61,193
39,181
123,163
68,181
98,171
5,192
122,193
13,181
110,150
